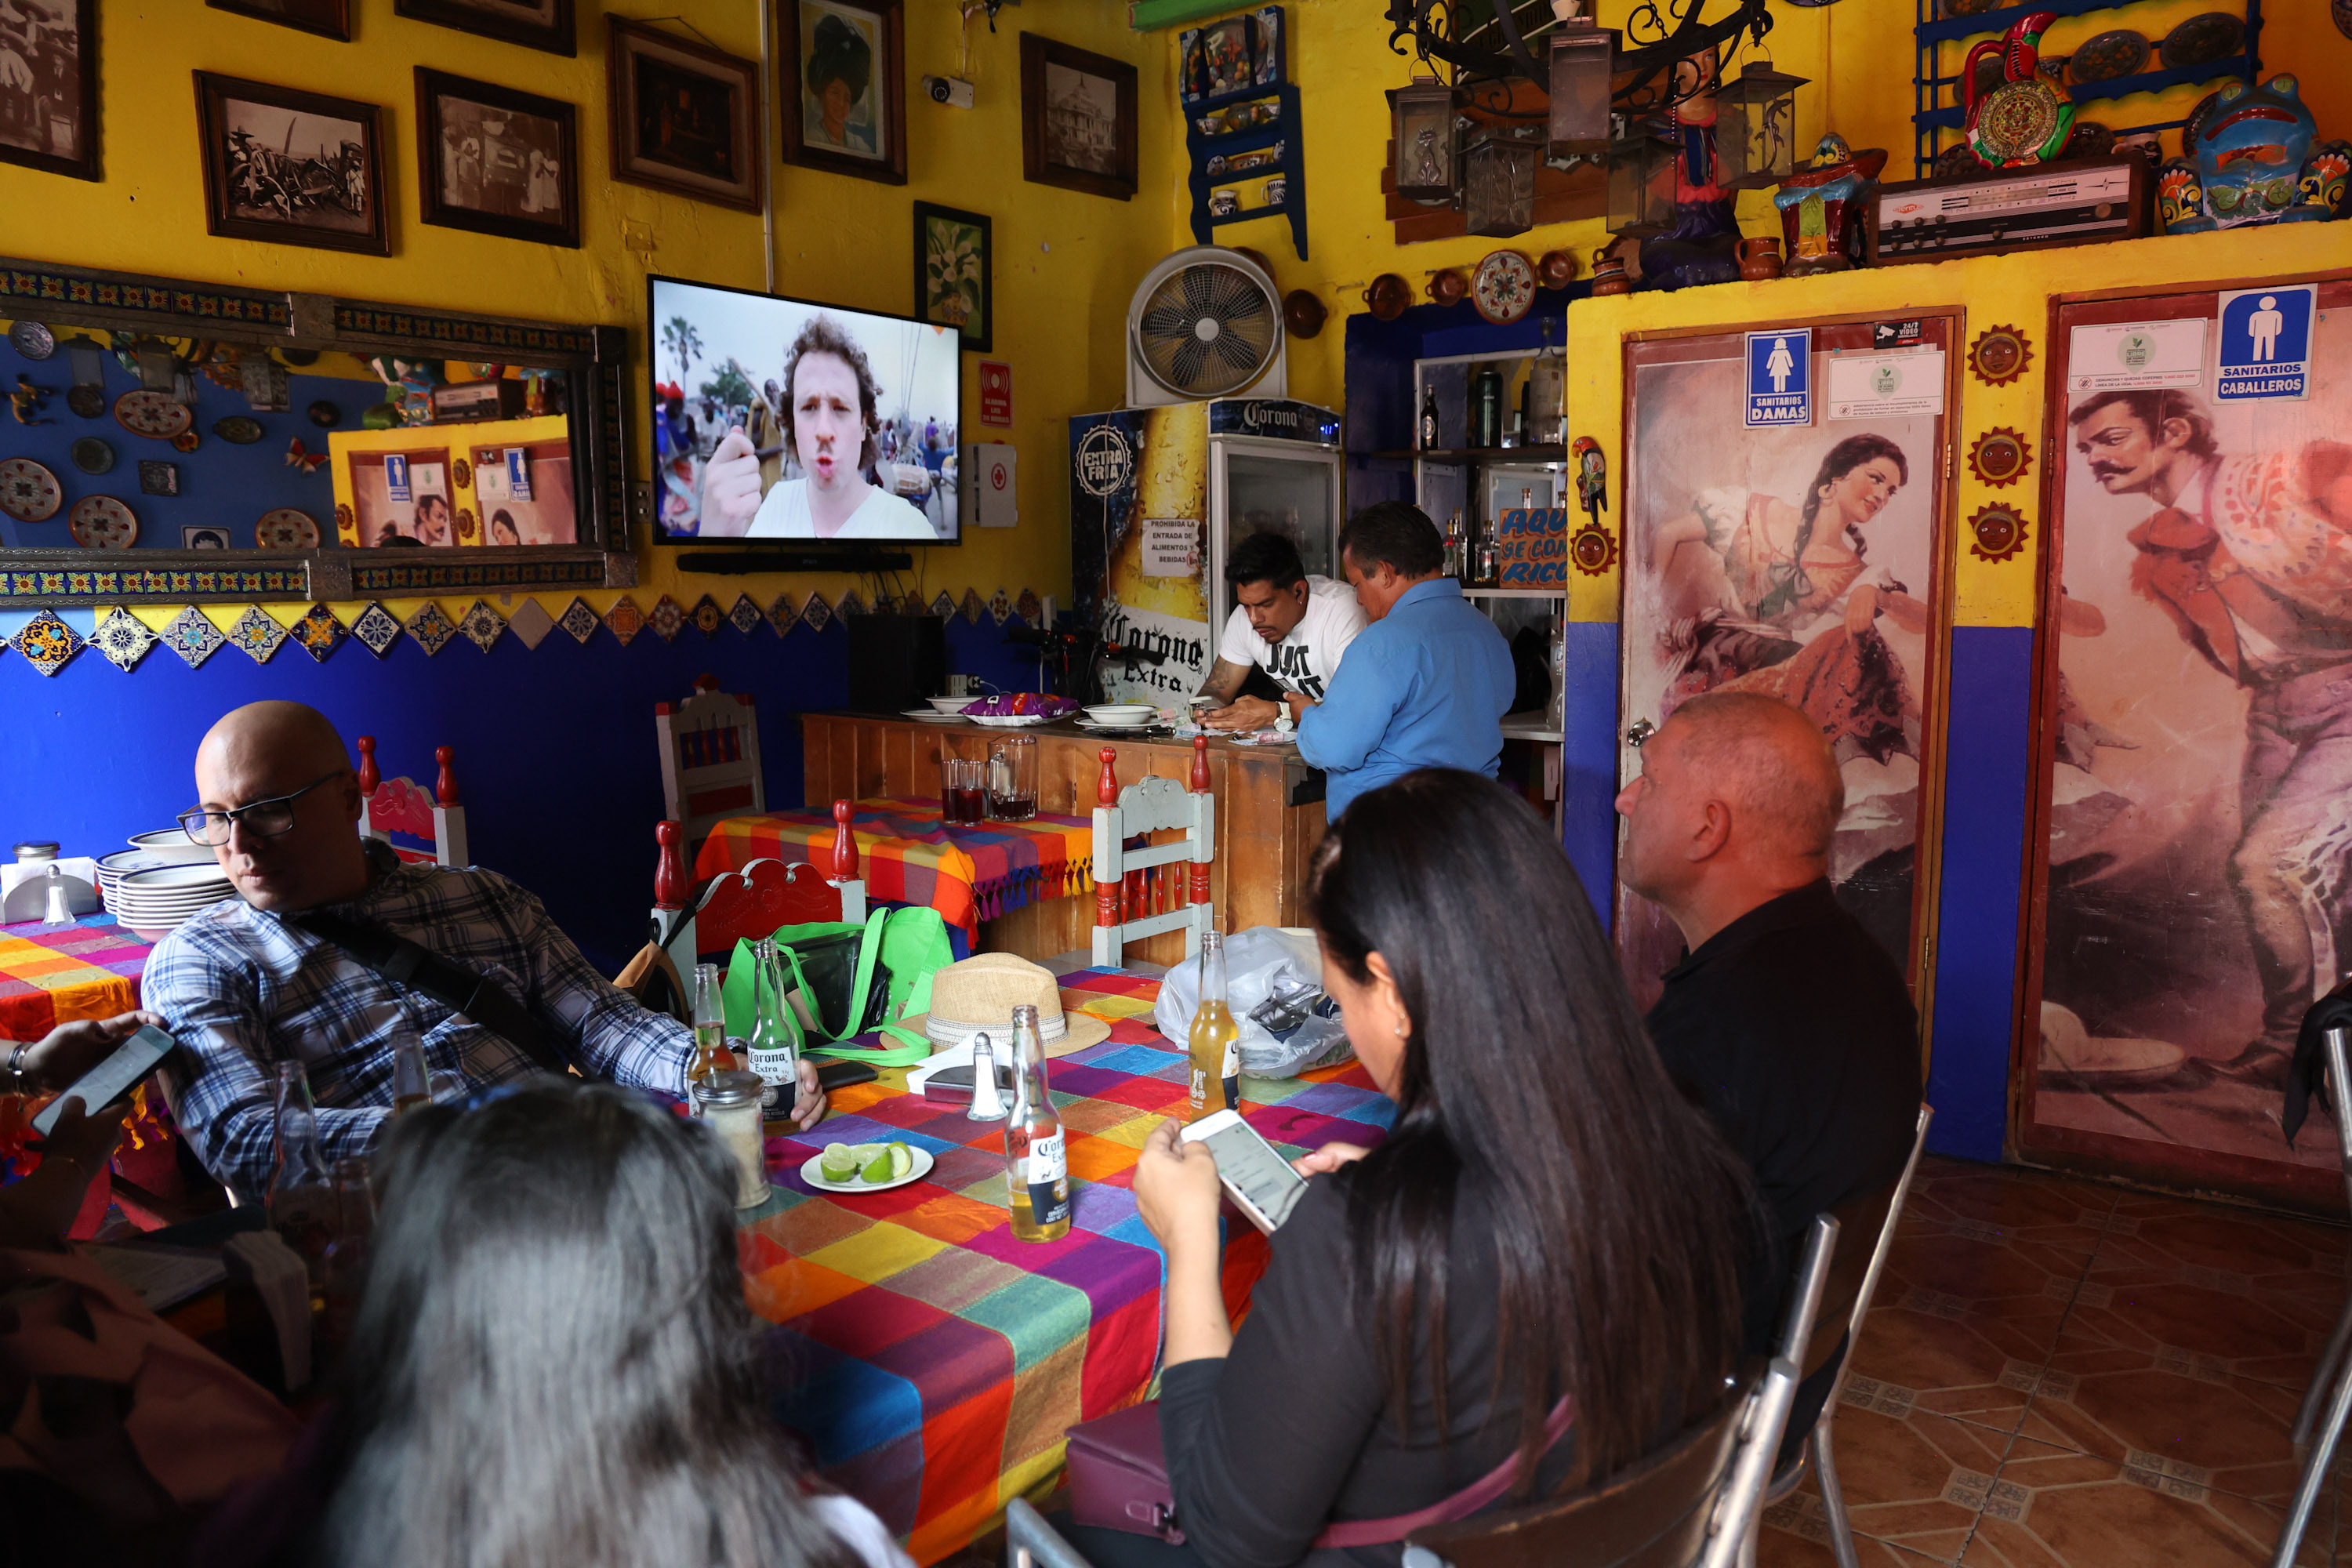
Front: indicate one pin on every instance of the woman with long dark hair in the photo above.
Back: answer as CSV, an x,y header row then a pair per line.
x,y
1549,1227
552,1362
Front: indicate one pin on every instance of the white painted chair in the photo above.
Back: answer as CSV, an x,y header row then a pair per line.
x,y
709,758
1135,895
402,805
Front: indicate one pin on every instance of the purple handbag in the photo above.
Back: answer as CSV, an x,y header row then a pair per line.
x,y
1119,1481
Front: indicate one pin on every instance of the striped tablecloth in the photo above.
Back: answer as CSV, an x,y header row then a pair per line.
x,y
935,1361
54,975
968,874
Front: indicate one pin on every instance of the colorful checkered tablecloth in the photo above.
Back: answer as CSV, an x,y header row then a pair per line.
x,y
968,874
936,1363
55,974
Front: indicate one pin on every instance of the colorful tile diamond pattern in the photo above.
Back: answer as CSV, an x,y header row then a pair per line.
x,y
123,638
531,623
578,621
481,625
431,629
707,616
376,630
745,614
624,620
666,619
781,616
256,633
47,643
194,637
318,633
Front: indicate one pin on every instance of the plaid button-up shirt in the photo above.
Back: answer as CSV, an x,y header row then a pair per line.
x,y
242,991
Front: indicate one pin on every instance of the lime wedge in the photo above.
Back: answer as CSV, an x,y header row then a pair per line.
x,y
902,1161
838,1163
877,1169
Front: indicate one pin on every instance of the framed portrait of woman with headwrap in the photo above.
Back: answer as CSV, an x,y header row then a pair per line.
x,y
844,73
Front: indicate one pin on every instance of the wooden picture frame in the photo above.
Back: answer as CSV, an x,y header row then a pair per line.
x,y
64,78
860,132
265,151
1069,136
534,23
701,139
501,164
955,266
327,19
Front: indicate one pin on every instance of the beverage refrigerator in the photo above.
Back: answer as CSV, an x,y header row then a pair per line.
x,y
1159,496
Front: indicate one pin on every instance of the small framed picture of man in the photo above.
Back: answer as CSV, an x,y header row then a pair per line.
x,y
48,86
497,161
844,86
1078,118
952,262
292,167
685,116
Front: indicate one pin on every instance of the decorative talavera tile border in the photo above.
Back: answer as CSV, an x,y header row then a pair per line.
x,y
125,634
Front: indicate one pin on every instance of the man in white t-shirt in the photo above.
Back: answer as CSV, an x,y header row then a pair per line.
x,y
1291,626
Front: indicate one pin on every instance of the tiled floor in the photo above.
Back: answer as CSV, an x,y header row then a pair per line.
x,y
2061,1375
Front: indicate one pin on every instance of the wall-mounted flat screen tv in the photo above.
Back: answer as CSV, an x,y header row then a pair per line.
x,y
787,420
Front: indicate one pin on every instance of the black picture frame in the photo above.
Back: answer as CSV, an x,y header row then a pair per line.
x,y
800,31
1052,136
63,67
501,19
631,49
435,93
327,19
930,220
238,196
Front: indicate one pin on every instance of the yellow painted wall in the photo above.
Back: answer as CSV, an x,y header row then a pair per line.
x,y
1066,262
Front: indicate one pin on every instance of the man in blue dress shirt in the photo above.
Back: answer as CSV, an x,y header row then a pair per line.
x,y
1426,685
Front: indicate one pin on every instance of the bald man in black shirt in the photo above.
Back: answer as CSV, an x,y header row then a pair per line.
x,y
1786,1020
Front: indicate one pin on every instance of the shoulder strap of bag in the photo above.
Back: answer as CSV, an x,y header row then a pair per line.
x,y
1486,1489
417,968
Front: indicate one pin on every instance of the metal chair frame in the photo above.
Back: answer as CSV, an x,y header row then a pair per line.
x,y
2329,1401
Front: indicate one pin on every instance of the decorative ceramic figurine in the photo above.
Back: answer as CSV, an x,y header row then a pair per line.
x,y
2254,159
1821,205
1703,245
2026,118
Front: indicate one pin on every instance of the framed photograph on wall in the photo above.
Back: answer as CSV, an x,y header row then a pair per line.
x,y
1078,118
534,23
685,116
327,19
844,86
291,167
954,257
497,161
49,110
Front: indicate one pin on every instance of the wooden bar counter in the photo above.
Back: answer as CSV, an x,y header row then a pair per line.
x,y
1262,840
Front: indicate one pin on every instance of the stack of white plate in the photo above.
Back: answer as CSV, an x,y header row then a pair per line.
x,y
148,851
154,901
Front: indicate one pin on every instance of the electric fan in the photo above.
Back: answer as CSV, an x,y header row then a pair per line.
x,y
1205,322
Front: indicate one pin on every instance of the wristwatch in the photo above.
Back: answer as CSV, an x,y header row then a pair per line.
x,y
16,1067
1283,722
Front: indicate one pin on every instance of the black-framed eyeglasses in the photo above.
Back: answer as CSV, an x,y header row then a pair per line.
x,y
260,818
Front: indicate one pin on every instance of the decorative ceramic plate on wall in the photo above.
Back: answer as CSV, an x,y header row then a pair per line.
x,y
286,527
28,491
2201,40
1504,287
101,522
156,415
2121,52
92,456
33,340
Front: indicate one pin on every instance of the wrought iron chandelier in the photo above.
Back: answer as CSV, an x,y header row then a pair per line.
x,y
1488,43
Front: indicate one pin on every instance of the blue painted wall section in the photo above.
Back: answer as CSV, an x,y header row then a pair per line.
x,y
1589,761
1987,744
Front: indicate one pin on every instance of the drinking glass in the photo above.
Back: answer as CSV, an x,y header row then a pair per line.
x,y
960,791
1012,778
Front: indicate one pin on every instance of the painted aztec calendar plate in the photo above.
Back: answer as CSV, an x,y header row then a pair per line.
x,y
286,527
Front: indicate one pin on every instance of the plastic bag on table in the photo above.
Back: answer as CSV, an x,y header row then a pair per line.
x,y
1273,983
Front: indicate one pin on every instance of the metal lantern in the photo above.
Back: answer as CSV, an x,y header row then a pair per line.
x,y
1582,56
1498,184
1756,126
1421,120
1641,181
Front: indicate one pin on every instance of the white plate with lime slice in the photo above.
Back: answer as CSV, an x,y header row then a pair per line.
x,y
866,1167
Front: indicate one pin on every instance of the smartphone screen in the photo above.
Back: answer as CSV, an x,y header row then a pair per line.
x,y
1249,1164
110,1080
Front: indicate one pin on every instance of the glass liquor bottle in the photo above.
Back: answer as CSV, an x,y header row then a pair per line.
x,y
1036,1160
301,1203
710,1052
412,1081
1428,428
775,1042
1215,1081
343,1269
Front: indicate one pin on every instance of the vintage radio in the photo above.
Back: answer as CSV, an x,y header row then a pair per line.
x,y
473,400
2074,203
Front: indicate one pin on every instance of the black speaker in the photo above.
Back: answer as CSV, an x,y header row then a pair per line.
x,y
896,661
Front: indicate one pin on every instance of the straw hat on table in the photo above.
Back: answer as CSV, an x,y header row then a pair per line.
x,y
980,994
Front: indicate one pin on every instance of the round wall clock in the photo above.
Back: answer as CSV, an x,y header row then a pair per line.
x,y
32,340
2000,532
155,415
1999,457
28,491
1504,287
101,522
286,527
2000,355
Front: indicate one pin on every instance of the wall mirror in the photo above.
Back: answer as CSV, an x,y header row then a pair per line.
x,y
169,440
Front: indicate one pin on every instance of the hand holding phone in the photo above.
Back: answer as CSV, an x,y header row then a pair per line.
x,y
1259,1180
110,1080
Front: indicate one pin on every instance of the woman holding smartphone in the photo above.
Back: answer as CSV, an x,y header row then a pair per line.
x,y
1541,1264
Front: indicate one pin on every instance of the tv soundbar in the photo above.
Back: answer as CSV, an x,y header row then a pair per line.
x,y
743,563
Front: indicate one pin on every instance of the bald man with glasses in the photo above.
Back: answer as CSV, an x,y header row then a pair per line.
x,y
318,960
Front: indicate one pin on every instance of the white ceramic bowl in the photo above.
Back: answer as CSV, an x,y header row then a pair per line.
x,y
951,704
1122,712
